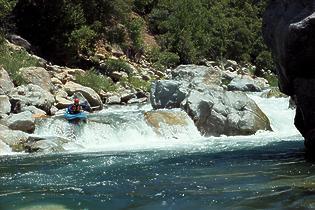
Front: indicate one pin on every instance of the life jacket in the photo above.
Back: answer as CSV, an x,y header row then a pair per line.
x,y
75,108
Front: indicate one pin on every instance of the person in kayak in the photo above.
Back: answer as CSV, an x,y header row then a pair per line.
x,y
75,108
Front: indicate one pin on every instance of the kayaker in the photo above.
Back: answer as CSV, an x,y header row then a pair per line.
x,y
75,108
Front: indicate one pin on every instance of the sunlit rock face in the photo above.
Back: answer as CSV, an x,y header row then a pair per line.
x,y
289,30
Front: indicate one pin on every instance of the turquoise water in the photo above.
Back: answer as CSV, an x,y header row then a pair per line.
x,y
272,176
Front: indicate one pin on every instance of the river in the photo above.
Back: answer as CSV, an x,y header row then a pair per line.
x,y
117,161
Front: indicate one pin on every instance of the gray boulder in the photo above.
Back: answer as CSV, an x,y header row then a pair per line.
x,y
247,84
37,76
167,94
22,121
6,84
115,99
198,76
89,94
4,148
17,40
218,113
45,144
62,100
35,111
31,95
15,139
5,105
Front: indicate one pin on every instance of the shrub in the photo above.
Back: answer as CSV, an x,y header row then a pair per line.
x,y
112,65
163,59
13,60
95,81
271,78
135,28
136,83
264,61
81,39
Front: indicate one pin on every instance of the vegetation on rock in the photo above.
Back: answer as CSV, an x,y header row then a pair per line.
x,y
12,60
67,32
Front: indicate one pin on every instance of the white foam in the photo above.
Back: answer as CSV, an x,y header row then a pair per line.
x,y
125,129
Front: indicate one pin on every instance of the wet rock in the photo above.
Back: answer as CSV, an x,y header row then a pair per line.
x,y
3,127
91,96
6,84
162,120
155,118
22,121
31,95
37,76
45,144
15,139
218,113
5,105
4,148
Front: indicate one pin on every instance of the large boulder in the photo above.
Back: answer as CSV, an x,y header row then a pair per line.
x,y
45,144
37,76
4,148
5,105
247,84
6,84
17,40
218,113
22,121
28,95
15,139
170,123
62,100
289,30
167,94
198,76
89,94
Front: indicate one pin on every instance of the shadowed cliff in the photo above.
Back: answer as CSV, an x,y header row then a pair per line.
x,y
289,29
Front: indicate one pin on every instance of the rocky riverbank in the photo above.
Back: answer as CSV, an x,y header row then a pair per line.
x,y
212,94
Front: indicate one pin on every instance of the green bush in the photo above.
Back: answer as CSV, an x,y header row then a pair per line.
x,y
143,6
135,28
136,83
112,65
13,60
271,78
82,39
264,61
163,59
95,81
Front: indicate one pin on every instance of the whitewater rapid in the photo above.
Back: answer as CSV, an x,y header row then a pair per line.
x,y
120,128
